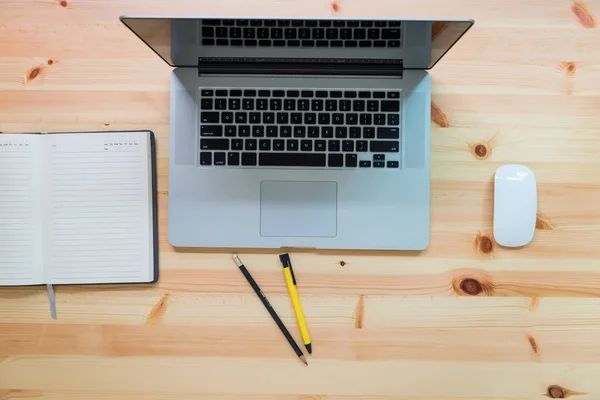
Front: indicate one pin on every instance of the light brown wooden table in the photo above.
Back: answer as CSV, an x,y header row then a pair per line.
x,y
464,319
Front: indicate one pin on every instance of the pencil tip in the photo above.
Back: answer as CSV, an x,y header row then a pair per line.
x,y
303,360
308,348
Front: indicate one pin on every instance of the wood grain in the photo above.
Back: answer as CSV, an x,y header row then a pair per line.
x,y
464,319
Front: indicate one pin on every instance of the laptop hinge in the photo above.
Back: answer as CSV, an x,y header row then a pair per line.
x,y
300,66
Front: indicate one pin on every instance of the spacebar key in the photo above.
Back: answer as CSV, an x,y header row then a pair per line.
x,y
291,160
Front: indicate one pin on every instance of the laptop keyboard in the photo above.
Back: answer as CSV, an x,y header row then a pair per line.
x,y
300,33
300,128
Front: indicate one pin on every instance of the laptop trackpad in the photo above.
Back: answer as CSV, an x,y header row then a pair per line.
x,y
298,209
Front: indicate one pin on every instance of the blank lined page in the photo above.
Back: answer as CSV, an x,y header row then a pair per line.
x,y
20,210
100,210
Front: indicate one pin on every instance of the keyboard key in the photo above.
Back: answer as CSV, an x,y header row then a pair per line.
x,y
393,95
222,42
365,164
209,117
219,158
393,119
275,104
311,22
379,95
249,158
393,43
316,105
318,33
333,145
324,118
353,23
345,105
268,118
366,119
221,32
250,144
341,132
263,33
283,22
285,131
299,131
331,105
216,22
303,105
339,23
373,105
347,145
270,22
278,93
321,94
277,33
337,119
264,93
297,22
211,130
293,43
345,34
283,118
230,131
379,119
241,22
214,144
264,144
390,105
313,132
206,92
249,33
306,145
325,23
272,131
351,119
244,131
335,160
378,157
296,118
227,117
386,146
327,132
360,34
393,164
379,43
262,104
304,33
365,43
205,158
373,34
228,22
258,131
320,145
336,43
351,160
264,43
310,118
388,133
237,42
331,33
250,42
278,144
289,105
233,158
221,93
322,43
235,33
255,118
292,145
362,146
248,104
308,43
355,132
235,92
290,33
350,43
237,144
307,93
358,105
292,159
369,132
390,33
364,95
255,22
241,117
378,164
293,93
394,23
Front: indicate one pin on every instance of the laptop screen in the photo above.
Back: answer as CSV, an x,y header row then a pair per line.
x,y
409,44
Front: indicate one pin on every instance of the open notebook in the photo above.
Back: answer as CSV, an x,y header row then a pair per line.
x,y
78,208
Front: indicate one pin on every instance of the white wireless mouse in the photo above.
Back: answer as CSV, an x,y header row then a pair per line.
x,y
515,205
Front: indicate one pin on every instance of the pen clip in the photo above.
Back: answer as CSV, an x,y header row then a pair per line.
x,y
287,263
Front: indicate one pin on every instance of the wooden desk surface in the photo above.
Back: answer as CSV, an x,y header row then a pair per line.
x,y
465,319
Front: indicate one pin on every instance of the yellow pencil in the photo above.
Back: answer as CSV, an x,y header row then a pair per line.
x,y
290,279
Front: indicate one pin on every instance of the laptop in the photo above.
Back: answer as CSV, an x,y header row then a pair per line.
x,y
299,133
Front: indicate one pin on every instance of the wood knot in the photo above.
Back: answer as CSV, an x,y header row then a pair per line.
x,y
533,344
569,67
342,263
63,3
543,223
556,392
335,6
583,14
50,62
484,244
106,124
359,312
472,283
471,287
438,116
33,73
480,151
158,311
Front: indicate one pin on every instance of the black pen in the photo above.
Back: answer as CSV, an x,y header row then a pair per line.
x,y
269,308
